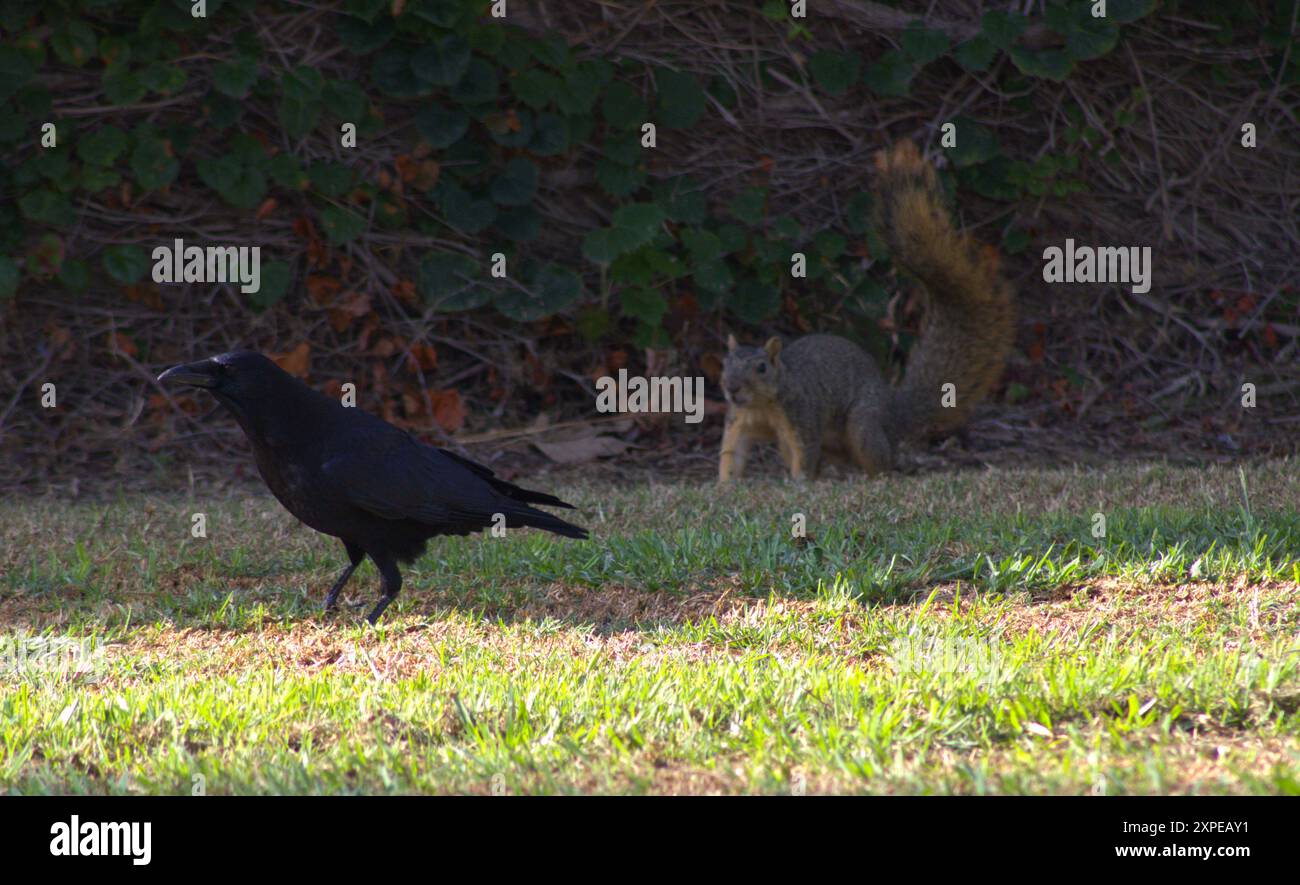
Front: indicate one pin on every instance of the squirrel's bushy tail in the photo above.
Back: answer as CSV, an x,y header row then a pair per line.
x,y
970,314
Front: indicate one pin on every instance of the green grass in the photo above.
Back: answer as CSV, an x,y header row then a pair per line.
x,y
934,634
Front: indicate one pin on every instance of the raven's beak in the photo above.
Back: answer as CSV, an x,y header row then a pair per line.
x,y
198,374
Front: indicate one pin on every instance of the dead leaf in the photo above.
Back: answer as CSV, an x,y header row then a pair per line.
x,y
448,410
296,362
582,449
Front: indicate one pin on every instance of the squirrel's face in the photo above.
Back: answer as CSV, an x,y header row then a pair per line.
x,y
751,374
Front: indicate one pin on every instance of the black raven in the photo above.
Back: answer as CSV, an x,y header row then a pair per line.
x,y
354,476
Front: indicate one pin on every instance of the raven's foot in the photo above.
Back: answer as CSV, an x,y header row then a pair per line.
x,y
384,602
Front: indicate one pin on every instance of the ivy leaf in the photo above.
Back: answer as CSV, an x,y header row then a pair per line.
x,y
754,301
550,290
274,284
644,304
681,100
516,184
748,205
121,86
441,126
923,45
152,163
346,100
634,225
362,37
300,102
520,224
835,71
235,78
126,264
478,86
102,146
392,74
48,207
622,107
449,281
9,277
442,62
74,43
1002,29
975,143
462,211
163,78
535,87
618,180
891,75
341,225
1049,64
550,136
976,54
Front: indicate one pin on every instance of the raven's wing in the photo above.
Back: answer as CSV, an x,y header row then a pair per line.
x,y
395,477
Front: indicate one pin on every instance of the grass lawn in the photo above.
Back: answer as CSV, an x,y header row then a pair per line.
x,y
932,634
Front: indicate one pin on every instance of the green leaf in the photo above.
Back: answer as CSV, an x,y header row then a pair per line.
x,y
300,102
238,184
462,211
362,37
74,43
74,275
441,126
48,207
102,146
634,225
1125,11
550,290
703,245
126,264
891,75
835,71
622,107
9,277
644,304
235,78
15,70
287,172
442,62
975,143
516,184
121,86
1002,28
754,301
713,275
449,281
341,225
274,284
976,54
478,86
922,45
330,179
535,87
151,163
747,206
550,136
1049,64
618,180
1087,37
345,100
95,178
392,74
520,223
680,99
163,78
582,85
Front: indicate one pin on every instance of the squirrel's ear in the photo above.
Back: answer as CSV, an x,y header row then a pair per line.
x,y
773,348
731,343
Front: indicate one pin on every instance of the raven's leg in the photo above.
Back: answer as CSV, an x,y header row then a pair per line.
x,y
355,554
389,588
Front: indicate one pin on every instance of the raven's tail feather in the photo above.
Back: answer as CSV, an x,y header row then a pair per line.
x,y
538,519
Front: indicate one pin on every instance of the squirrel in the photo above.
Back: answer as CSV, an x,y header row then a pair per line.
x,y
823,393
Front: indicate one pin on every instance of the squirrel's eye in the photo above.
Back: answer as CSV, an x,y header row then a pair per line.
x,y
762,368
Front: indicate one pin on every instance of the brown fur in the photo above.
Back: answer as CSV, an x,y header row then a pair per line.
x,y
822,394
